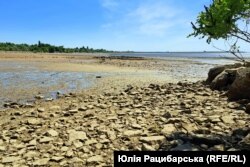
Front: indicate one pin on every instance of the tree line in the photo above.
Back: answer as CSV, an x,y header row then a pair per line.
x,y
46,48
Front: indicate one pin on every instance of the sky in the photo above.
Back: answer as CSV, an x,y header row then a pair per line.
x,y
121,25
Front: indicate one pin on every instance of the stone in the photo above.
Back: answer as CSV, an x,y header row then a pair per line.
x,y
41,162
69,153
2,148
73,111
130,133
56,159
77,144
76,135
34,121
91,141
168,129
32,143
136,126
103,106
228,119
219,147
39,97
146,147
55,108
214,72
10,159
41,109
49,99
31,154
95,159
52,133
223,80
82,108
240,88
153,139
46,139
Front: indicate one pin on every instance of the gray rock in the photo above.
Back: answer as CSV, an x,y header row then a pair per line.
x,y
240,88
224,79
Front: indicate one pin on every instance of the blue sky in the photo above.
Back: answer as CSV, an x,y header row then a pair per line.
x,y
138,25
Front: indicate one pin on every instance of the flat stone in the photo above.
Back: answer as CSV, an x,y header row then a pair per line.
x,y
168,129
57,159
52,133
95,159
55,108
77,144
136,126
76,135
130,133
228,119
41,109
73,111
10,159
31,154
40,162
32,143
64,149
92,141
2,148
153,139
46,139
103,106
34,121
82,108
146,147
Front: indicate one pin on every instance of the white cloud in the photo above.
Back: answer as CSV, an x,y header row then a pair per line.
x,y
109,4
154,18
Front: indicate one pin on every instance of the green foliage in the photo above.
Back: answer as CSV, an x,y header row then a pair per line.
x,y
222,20
46,48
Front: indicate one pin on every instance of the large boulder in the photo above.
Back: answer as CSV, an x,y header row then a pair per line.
x,y
240,89
214,72
224,79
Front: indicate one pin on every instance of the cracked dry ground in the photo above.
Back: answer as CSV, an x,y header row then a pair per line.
x,y
84,130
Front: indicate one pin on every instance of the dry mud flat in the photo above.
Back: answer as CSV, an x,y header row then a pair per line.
x,y
84,130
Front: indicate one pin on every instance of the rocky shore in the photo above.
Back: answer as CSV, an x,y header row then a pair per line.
x,y
85,129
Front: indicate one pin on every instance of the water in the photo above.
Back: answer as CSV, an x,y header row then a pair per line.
x,y
21,81
179,54
202,57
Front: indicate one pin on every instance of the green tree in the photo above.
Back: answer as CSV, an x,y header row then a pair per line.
x,y
225,19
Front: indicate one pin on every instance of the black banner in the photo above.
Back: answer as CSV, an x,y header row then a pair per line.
x,y
164,158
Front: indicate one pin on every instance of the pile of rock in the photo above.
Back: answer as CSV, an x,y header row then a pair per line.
x,y
235,79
